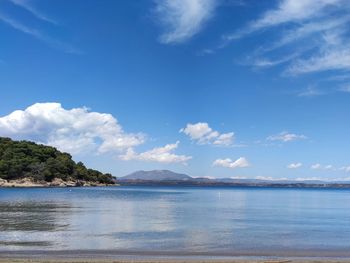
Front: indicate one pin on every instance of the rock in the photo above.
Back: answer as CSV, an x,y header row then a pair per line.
x,y
57,182
2,182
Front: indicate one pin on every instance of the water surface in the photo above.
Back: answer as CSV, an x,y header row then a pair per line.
x,y
217,220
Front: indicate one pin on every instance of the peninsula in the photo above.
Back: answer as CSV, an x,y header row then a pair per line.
x,y
27,164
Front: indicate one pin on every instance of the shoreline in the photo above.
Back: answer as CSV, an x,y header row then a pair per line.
x,y
172,260
29,183
58,183
175,256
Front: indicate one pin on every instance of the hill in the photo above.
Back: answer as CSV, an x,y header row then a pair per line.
x,y
156,175
40,163
165,177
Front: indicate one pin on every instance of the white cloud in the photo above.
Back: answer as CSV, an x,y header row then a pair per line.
x,y
328,167
314,178
345,169
20,27
330,180
183,19
294,165
203,134
238,177
160,154
295,11
75,130
334,58
269,178
318,166
308,29
38,35
265,62
307,36
30,8
310,91
286,137
224,139
345,88
241,162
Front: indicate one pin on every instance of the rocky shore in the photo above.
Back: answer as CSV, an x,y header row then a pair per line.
x,y
28,182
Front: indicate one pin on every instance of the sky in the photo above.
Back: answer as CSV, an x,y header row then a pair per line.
x,y
210,88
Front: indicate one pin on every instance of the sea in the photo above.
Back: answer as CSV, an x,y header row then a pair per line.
x,y
177,220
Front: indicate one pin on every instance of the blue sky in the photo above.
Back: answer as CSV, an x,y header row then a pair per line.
x,y
225,88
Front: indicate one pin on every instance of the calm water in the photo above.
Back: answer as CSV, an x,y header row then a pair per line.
x,y
183,219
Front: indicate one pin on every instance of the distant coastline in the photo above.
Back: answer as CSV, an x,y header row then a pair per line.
x,y
222,184
27,164
169,178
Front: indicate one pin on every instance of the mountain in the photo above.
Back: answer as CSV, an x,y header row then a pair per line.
x,y
27,161
166,177
156,175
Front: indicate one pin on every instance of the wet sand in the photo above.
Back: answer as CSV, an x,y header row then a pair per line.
x,y
90,260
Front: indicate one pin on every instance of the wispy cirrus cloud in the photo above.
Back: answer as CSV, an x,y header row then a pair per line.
x,y
286,137
308,37
287,11
345,87
16,23
332,58
67,48
182,19
311,91
27,5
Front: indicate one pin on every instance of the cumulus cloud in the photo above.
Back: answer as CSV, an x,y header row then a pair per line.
x,y
183,19
241,162
75,130
160,154
294,165
286,137
203,134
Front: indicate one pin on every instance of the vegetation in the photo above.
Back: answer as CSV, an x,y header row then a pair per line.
x,y
20,159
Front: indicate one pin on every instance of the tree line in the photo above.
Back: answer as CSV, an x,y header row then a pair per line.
x,y
21,159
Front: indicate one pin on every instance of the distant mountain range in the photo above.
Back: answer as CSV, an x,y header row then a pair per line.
x,y
166,177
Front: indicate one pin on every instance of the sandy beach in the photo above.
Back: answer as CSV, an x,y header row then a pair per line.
x,y
167,257
103,260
